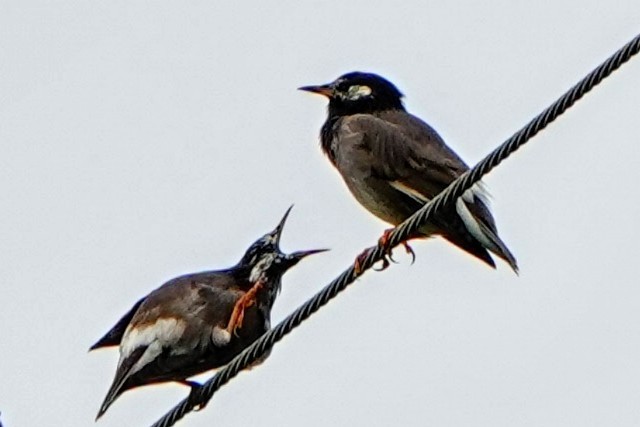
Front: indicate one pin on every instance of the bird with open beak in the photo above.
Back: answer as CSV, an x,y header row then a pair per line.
x,y
393,163
199,321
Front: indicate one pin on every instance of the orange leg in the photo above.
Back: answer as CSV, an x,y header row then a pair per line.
x,y
357,265
384,243
244,302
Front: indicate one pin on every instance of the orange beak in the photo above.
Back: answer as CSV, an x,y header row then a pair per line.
x,y
325,90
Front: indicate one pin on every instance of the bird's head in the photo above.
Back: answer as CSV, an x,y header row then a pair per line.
x,y
264,259
357,92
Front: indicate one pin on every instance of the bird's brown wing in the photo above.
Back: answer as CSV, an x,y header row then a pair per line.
x,y
187,296
164,297
409,164
404,149
171,331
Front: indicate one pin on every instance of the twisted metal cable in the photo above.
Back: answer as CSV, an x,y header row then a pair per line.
x,y
400,233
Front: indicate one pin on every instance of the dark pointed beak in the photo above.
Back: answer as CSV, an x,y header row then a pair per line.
x,y
326,90
295,257
277,232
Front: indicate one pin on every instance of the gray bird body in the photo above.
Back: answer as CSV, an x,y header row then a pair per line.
x,y
180,329
393,163
381,157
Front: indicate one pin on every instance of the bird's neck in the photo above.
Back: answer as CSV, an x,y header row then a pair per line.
x,y
270,287
241,275
266,297
327,134
340,108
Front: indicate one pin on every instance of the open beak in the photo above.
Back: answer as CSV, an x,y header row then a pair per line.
x,y
277,232
295,257
326,90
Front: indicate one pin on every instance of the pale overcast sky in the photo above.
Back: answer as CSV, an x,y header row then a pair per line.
x,y
140,140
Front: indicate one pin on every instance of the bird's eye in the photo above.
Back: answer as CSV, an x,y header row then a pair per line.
x,y
358,91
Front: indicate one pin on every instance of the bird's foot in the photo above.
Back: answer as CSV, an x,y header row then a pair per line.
x,y
244,302
195,387
387,257
357,266
383,242
409,250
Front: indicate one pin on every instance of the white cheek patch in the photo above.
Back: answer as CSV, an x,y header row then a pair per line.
x,y
358,91
155,337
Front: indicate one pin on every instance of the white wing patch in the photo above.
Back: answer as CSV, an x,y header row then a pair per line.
x,y
411,192
163,333
478,190
470,222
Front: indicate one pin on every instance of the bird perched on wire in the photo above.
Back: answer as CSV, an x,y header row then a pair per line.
x,y
393,163
200,321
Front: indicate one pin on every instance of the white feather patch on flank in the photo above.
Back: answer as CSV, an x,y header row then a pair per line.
x,y
162,333
220,336
478,190
472,225
411,192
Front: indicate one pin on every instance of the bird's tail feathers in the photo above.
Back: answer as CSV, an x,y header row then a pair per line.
x,y
121,377
486,235
500,249
470,245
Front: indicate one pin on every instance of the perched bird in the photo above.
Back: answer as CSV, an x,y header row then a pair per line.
x,y
199,321
393,163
